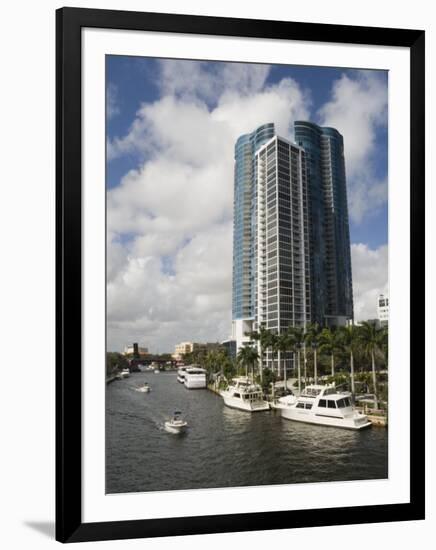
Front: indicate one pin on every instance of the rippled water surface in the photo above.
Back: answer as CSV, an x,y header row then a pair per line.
x,y
223,447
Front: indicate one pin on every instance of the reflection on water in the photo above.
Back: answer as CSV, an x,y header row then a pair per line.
x,y
223,447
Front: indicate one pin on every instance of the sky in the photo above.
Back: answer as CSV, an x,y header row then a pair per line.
x,y
170,131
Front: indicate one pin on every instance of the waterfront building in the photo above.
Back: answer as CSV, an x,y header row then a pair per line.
x,y
330,254
244,219
282,294
291,245
383,310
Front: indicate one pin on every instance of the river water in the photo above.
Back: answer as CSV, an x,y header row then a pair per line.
x,y
223,447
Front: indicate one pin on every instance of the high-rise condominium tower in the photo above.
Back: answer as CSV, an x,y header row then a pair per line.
x,y
330,258
291,246
244,216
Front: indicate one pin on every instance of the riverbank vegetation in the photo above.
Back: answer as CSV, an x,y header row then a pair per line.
x,y
354,358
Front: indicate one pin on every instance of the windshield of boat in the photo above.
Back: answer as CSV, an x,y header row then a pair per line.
x,y
311,392
344,402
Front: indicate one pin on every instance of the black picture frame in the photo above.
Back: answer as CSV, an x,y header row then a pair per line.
x,y
69,23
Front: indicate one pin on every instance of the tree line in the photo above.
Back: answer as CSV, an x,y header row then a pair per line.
x,y
351,354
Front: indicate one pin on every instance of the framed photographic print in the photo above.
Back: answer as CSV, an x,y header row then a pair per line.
x,y
240,248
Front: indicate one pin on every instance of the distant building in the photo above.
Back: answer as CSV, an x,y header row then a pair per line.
x,y
184,348
383,310
205,348
135,350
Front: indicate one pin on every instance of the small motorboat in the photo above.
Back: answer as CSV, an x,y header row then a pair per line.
x,y
125,373
145,388
177,424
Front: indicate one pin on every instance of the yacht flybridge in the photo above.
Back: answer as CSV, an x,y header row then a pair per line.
x,y
323,405
245,395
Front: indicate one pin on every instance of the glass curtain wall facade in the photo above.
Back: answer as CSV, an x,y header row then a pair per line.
x,y
330,256
244,221
283,272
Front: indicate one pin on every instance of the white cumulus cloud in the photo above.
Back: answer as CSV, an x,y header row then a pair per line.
x,y
357,109
370,278
170,220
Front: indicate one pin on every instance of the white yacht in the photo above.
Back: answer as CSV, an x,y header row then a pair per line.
x,y
177,424
323,405
195,378
181,374
245,395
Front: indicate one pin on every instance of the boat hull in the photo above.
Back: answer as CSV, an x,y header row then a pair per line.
x,y
345,423
234,403
175,429
195,384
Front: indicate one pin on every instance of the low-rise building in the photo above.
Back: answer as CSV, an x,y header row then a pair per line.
x,y
383,310
182,349
194,347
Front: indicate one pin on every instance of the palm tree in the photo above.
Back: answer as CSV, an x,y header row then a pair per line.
x,y
270,342
384,343
348,338
329,343
263,337
274,344
296,336
312,338
247,357
371,339
284,344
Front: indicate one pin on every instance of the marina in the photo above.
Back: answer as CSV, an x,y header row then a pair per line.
x,y
224,446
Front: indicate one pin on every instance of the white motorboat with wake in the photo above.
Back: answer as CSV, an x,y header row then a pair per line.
x,y
323,405
177,424
244,394
145,388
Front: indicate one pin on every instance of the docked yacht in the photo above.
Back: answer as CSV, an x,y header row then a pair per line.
x,y
323,405
195,378
181,374
245,395
177,424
